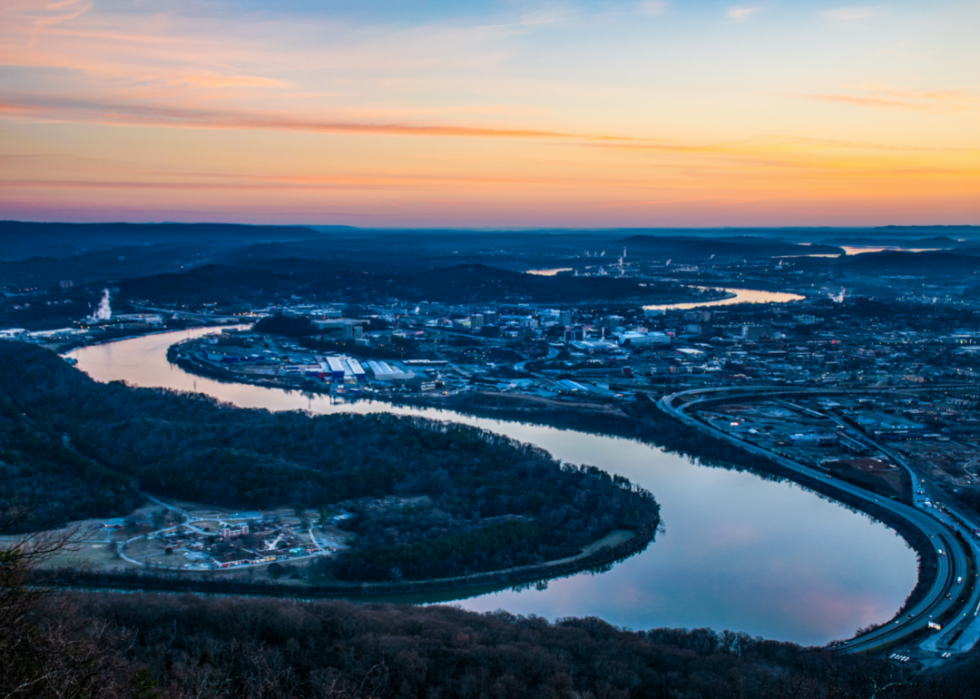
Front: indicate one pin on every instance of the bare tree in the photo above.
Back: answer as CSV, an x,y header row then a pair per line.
x,y
47,649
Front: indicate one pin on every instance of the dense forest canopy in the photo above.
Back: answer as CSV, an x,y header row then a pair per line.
x,y
288,326
155,646
275,648
73,445
325,280
146,646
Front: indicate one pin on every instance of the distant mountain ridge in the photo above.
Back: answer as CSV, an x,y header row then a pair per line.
x,y
753,246
918,263
936,242
19,239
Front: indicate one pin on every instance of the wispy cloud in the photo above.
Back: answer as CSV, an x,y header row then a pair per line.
x,y
517,109
742,12
785,149
76,111
215,80
652,7
886,97
541,17
44,17
851,15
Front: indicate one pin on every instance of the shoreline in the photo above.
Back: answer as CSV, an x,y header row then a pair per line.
x,y
513,579
924,551
62,352
600,558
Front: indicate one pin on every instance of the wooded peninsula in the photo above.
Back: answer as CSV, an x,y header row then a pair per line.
x,y
73,448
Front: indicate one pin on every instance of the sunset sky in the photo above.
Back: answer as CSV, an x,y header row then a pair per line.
x,y
508,113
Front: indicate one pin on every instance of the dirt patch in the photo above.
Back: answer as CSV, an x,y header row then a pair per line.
x,y
872,474
946,460
541,400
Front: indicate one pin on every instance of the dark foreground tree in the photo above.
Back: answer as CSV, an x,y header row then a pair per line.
x,y
46,648
66,645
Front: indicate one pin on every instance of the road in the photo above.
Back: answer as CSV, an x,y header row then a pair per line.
x,y
941,597
552,353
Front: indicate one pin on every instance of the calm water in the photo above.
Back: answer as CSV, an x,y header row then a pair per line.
x,y
861,249
739,552
741,296
548,272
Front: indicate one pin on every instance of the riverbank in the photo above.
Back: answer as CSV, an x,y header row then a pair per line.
x,y
647,424
431,506
642,421
596,557
838,569
109,338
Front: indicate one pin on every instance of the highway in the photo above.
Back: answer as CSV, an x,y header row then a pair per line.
x,y
552,353
961,634
941,597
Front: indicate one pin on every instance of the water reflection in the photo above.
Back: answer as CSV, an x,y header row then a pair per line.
x,y
547,272
861,249
739,552
740,296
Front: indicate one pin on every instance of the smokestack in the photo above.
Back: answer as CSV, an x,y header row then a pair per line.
x,y
104,311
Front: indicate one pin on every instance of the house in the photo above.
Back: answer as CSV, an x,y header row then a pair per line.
x,y
233,560
229,533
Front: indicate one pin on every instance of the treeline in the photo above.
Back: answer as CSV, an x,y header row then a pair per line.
x,y
190,447
396,349
39,471
51,309
470,283
640,419
310,583
226,647
148,646
288,326
493,546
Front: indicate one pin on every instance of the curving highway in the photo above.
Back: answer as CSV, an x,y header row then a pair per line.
x,y
942,599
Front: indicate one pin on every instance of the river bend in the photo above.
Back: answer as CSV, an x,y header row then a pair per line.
x,y
739,552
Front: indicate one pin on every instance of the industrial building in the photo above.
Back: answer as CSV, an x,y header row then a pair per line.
x,y
638,339
386,372
346,369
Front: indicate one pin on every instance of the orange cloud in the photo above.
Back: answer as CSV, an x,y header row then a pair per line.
x,y
223,112
896,98
882,102
175,117
222,81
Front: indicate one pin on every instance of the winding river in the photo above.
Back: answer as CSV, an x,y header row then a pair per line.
x,y
740,296
739,552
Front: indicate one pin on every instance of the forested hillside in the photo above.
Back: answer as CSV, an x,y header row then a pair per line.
x,y
486,501
251,649
325,281
39,471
